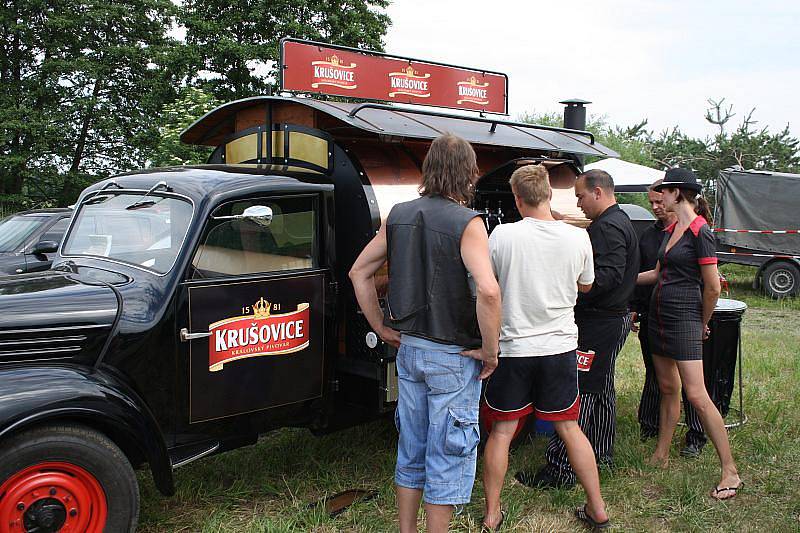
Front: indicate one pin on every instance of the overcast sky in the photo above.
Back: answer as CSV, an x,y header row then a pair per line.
x,y
634,59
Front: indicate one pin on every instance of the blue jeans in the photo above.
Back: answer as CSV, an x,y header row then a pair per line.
x,y
437,418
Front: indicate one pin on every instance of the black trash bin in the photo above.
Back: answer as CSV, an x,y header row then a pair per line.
x,y
721,350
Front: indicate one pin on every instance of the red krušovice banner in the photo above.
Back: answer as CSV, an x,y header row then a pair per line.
x,y
317,69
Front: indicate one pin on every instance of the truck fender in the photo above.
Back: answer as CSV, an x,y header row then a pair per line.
x,y
36,395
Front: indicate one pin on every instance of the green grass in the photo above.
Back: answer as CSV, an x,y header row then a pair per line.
x,y
269,486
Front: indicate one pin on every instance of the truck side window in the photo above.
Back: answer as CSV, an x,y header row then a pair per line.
x,y
232,247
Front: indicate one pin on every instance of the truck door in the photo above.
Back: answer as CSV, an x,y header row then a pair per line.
x,y
253,323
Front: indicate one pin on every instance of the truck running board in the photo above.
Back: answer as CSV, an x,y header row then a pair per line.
x,y
199,455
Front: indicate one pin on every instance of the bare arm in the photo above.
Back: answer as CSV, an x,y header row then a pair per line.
x,y
711,290
362,275
584,288
705,247
649,277
475,254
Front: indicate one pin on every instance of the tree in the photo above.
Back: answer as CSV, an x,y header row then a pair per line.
x,y
234,43
82,82
190,105
745,147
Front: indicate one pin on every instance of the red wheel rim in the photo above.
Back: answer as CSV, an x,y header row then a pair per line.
x,y
70,485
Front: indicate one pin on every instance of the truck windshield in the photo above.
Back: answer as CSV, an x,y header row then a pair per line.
x,y
15,230
148,234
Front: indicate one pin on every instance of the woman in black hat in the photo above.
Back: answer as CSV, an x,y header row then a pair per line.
x,y
686,290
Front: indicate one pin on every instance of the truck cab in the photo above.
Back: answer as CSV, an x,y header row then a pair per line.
x,y
191,309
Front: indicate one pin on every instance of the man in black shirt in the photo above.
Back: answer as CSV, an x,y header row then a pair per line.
x,y
603,321
649,244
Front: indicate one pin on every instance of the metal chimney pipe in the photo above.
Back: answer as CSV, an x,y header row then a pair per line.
x,y
575,117
575,113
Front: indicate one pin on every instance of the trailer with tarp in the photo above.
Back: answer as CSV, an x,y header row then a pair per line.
x,y
756,224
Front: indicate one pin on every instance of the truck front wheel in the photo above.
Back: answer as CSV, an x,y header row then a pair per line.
x,y
781,279
66,478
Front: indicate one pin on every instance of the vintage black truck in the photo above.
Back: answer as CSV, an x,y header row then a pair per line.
x,y
191,309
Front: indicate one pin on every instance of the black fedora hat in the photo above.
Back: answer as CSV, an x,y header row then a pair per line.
x,y
681,178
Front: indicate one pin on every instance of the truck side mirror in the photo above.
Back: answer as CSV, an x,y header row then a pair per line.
x,y
259,214
44,247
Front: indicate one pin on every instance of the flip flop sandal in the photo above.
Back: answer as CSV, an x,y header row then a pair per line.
x,y
487,529
717,490
583,516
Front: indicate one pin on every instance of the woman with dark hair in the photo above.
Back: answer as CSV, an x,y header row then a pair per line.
x,y
686,290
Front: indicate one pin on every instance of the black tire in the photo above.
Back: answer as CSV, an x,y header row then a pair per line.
x,y
87,449
781,279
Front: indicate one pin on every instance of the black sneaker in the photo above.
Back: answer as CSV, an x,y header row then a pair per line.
x,y
541,480
691,450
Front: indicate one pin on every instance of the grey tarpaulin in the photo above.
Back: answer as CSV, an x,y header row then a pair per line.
x,y
758,200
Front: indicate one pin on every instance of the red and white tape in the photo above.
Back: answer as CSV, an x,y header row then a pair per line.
x,y
761,255
761,231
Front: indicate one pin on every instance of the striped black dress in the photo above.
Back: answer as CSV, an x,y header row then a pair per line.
x,y
676,307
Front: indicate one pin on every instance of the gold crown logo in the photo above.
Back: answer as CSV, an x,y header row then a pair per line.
x,y
473,80
335,59
410,70
261,308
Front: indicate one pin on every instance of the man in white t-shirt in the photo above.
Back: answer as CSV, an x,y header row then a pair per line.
x,y
541,264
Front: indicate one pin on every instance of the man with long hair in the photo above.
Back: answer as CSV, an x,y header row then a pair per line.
x,y
432,245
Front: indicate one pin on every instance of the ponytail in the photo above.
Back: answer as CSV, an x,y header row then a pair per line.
x,y
702,208
699,203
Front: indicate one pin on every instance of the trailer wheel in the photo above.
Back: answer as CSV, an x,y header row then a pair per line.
x,y
66,478
781,279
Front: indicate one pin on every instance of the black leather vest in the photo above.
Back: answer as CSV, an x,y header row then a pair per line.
x,y
429,294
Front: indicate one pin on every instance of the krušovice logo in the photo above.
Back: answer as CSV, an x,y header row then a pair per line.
x,y
472,91
258,334
334,72
409,82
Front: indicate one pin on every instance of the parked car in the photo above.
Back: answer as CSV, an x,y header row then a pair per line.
x,y
29,239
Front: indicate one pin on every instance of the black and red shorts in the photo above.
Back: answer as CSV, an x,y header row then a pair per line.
x,y
544,385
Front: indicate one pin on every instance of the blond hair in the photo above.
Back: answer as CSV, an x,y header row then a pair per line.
x,y
532,184
449,168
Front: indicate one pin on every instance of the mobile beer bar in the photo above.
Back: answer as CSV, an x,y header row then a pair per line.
x,y
191,309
